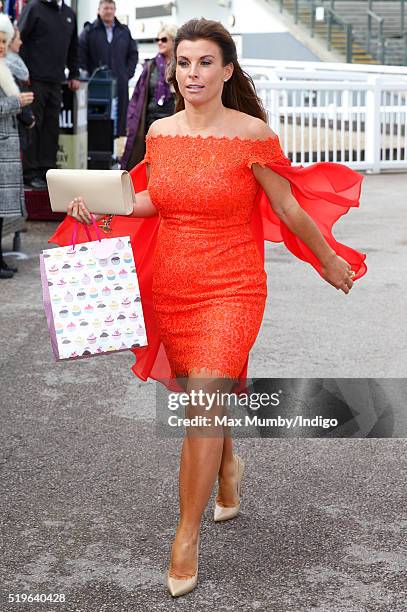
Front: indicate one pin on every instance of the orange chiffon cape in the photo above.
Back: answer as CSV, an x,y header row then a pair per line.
x,y
325,190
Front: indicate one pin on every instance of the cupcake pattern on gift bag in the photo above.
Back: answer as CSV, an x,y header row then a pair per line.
x,y
95,301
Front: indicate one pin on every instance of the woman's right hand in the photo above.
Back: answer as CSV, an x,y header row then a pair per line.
x,y
26,98
77,209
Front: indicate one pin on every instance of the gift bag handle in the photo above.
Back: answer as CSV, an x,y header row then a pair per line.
x,y
75,231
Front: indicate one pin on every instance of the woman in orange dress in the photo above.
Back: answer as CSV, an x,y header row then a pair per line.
x,y
214,184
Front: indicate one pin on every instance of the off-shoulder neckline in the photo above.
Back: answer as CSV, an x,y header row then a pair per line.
x,y
212,137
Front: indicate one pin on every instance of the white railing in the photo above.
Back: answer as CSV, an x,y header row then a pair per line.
x,y
357,117
320,70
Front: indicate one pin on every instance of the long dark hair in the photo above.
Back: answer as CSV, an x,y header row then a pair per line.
x,y
239,91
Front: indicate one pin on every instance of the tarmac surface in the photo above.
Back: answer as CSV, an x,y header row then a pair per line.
x,y
89,502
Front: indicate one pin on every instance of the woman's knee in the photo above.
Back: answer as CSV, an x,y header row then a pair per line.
x,y
207,407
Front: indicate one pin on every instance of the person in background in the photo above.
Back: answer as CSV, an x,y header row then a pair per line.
x,y
11,8
153,98
50,44
11,178
107,42
26,119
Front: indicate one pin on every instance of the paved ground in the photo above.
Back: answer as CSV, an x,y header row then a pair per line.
x,y
89,493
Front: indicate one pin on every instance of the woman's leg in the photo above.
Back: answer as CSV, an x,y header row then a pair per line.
x,y
5,270
227,495
226,475
201,461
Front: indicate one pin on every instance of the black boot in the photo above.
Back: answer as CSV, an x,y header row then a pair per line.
x,y
6,273
8,268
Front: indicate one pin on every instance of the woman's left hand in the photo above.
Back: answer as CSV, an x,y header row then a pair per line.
x,y
338,273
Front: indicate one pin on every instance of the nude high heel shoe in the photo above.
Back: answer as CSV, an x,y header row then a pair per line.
x,y
222,513
180,586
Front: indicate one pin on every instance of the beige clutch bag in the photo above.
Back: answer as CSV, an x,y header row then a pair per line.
x,y
105,192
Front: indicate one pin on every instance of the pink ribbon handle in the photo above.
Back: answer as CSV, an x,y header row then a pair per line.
x,y
75,231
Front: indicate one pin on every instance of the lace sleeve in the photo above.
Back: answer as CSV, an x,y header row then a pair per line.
x,y
266,152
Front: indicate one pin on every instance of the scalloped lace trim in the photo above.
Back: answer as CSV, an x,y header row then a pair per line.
x,y
212,136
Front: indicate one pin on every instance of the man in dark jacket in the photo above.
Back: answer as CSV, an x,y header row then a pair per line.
x,y
50,44
107,42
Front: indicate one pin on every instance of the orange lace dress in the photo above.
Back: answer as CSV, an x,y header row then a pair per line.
x,y
200,262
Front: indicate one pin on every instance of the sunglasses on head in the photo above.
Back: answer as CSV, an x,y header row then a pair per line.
x,y
164,39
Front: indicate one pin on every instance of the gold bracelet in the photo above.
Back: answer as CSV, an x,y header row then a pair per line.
x,y
104,223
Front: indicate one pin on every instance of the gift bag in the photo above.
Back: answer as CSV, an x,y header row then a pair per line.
x,y
91,297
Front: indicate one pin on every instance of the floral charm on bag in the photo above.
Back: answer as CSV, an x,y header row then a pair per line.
x,y
92,297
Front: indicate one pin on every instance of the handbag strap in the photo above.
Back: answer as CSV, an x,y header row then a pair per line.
x,y
75,231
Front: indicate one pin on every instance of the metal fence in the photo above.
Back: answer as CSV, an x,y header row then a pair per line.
x,y
364,26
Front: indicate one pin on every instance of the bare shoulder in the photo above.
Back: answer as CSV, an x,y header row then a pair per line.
x,y
257,129
249,127
157,127
166,126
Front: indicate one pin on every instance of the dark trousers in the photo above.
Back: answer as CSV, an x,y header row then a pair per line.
x,y
41,154
123,104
